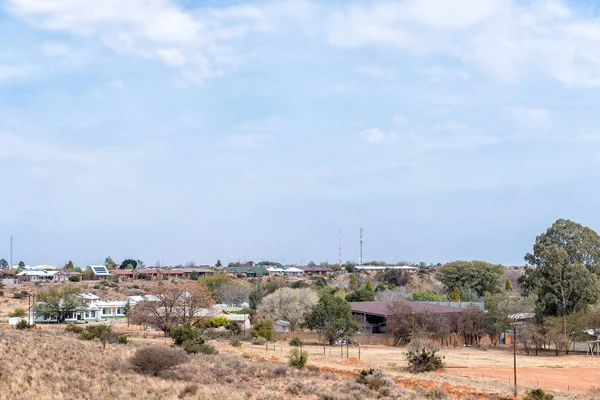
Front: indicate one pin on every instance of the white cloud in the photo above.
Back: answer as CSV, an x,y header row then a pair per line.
x,y
508,38
375,71
171,57
377,136
11,73
199,40
56,48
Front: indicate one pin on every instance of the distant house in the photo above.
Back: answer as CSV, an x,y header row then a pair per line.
x,y
149,273
41,276
285,271
372,315
377,268
243,320
124,273
248,272
93,309
99,271
171,273
316,270
281,326
199,272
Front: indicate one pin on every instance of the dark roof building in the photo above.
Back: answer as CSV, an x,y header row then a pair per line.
x,y
372,315
316,270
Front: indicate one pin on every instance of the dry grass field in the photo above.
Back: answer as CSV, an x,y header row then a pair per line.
x,y
50,363
42,364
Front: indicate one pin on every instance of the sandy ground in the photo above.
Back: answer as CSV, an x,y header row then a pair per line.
x,y
490,370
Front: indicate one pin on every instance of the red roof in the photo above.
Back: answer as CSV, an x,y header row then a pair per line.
x,y
122,271
171,272
147,271
381,307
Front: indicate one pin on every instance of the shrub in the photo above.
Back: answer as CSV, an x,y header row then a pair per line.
x,y
23,324
20,295
185,332
153,359
259,341
122,339
421,355
74,279
295,341
194,347
92,332
373,378
233,327
263,328
436,393
17,312
218,321
297,358
235,342
191,390
74,328
538,394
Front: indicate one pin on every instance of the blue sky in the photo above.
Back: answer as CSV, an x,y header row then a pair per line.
x,y
176,131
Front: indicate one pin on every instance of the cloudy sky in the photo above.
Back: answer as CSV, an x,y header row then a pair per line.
x,y
195,130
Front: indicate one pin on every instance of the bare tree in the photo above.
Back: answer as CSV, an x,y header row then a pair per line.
x,y
472,325
288,304
398,293
172,304
233,294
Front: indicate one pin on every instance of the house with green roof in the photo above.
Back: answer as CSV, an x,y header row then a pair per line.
x,y
249,272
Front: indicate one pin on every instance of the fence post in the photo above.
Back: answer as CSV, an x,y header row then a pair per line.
x,y
266,347
359,351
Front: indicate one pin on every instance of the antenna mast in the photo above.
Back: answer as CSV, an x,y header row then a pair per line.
x,y
340,244
360,259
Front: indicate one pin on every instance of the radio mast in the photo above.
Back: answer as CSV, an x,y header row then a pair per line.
x,y
360,258
340,244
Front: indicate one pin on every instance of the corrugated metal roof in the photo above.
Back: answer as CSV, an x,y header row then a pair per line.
x,y
381,307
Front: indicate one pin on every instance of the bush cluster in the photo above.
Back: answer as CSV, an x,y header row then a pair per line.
x,y
297,358
190,338
538,394
295,341
263,328
20,294
153,359
17,312
102,333
374,379
422,357
23,324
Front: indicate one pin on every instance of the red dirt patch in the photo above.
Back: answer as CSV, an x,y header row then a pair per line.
x,y
579,379
350,361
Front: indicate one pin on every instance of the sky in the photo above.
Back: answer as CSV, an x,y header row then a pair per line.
x,y
179,131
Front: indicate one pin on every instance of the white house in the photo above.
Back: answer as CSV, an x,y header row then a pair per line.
x,y
94,309
285,271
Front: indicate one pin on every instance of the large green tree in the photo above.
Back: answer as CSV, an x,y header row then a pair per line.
x,y
479,276
331,317
129,264
58,302
3,263
563,269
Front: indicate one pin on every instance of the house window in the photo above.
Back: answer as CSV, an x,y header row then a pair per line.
x,y
93,314
87,315
105,311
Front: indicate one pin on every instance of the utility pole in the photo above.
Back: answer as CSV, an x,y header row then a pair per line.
x,y
340,244
11,252
360,258
514,324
